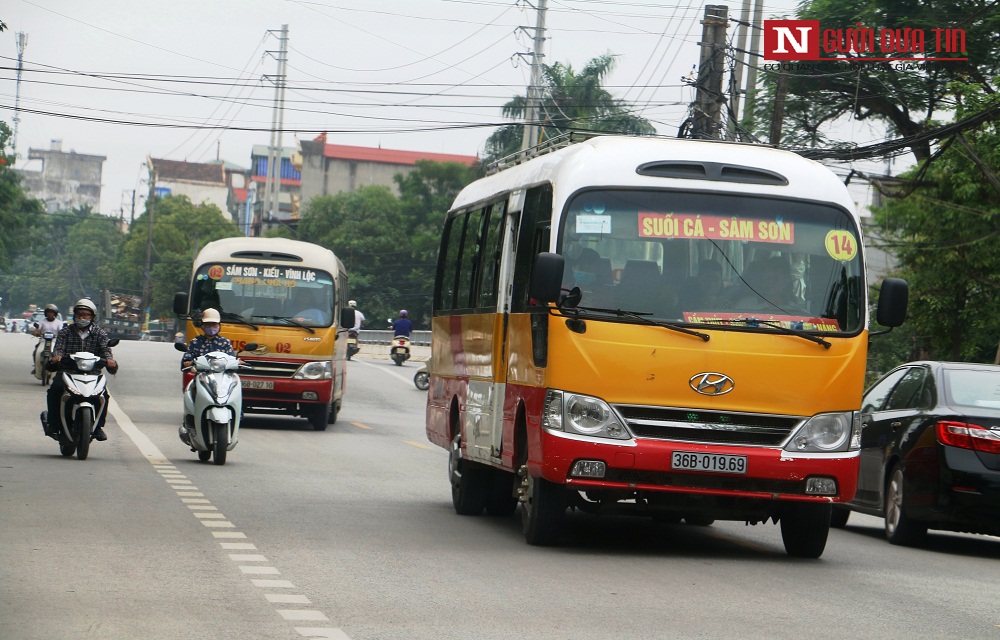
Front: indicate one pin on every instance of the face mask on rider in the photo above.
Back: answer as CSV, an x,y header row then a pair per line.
x,y
83,323
211,331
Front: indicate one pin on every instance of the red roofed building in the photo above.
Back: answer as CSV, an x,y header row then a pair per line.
x,y
328,169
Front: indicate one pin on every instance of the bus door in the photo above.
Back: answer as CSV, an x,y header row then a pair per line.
x,y
485,396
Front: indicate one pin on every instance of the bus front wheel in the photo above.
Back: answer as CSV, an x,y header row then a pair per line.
x,y
543,507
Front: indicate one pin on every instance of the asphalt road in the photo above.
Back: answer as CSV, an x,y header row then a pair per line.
x,y
350,533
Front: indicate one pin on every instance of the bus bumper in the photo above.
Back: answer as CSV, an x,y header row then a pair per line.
x,y
646,465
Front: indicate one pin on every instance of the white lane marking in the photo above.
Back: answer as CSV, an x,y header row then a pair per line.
x,y
322,632
202,509
273,584
247,557
260,571
286,598
301,614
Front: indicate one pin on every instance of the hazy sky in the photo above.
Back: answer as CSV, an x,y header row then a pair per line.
x,y
186,80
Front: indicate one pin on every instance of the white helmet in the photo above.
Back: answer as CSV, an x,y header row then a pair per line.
x,y
352,304
211,315
85,303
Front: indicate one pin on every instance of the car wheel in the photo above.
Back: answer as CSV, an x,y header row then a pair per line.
x,y
899,527
839,517
805,528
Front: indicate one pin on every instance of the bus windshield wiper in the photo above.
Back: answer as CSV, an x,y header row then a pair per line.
x,y
621,313
289,321
229,315
752,322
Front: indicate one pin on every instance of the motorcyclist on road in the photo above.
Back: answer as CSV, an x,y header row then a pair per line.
x,y
48,325
210,341
358,316
402,326
82,335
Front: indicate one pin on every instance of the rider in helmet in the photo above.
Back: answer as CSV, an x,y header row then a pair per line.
x,y
211,324
82,335
402,326
358,316
49,325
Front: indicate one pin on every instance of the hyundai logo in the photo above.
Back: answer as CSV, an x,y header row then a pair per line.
x,y
711,384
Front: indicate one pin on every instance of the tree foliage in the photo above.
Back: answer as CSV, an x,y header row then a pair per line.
x,y
907,100
570,101
946,238
389,243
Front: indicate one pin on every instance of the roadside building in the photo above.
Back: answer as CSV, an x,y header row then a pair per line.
x,y
328,169
200,182
65,180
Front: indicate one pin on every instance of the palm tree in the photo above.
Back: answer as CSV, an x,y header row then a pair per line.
x,y
569,102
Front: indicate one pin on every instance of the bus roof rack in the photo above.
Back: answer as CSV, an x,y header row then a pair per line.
x,y
548,146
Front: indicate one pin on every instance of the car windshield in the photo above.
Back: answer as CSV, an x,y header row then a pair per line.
x,y
266,294
715,259
973,387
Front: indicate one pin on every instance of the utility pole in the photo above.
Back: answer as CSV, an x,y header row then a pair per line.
x,y
777,118
150,204
532,132
273,184
756,35
709,98
22,43
736,77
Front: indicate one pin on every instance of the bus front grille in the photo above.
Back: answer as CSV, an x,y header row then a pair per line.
x,y
269,369
712,427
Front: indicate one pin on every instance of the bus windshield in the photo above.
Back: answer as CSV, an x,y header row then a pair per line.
x,y
265,294
712,258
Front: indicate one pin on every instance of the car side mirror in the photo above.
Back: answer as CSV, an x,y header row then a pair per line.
x,y
347,318
546,277
181,303
892,302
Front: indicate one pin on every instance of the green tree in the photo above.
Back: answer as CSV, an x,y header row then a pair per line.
x,y
570,101
367,231
180,229
907,101
945,237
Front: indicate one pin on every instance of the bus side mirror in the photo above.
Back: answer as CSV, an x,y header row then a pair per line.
x,y
347,318
546,277
181,303
892,302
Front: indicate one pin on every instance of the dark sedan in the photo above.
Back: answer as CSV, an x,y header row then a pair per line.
x,y
930,451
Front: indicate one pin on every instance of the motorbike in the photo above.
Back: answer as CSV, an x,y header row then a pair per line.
x,y
400,350
213,405
422,378
42,356
352,343
81,403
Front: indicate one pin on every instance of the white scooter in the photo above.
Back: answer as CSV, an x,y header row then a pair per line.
x,y
43,353
399,350
213,405
81,403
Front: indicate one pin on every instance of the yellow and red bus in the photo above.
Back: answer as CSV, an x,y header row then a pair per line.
x,y
290,298
671,328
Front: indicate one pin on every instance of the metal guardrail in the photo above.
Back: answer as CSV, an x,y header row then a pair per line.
x,y
384,336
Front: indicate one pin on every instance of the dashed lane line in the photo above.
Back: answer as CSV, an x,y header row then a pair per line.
x,y
209,516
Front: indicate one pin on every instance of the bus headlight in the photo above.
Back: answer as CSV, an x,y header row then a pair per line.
x,y
315,371
583,415
828,432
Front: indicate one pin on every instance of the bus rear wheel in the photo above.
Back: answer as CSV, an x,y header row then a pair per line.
x,y
470,483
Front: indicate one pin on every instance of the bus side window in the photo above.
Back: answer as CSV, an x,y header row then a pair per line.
x,y
490,257
533,238
469,261
451,244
